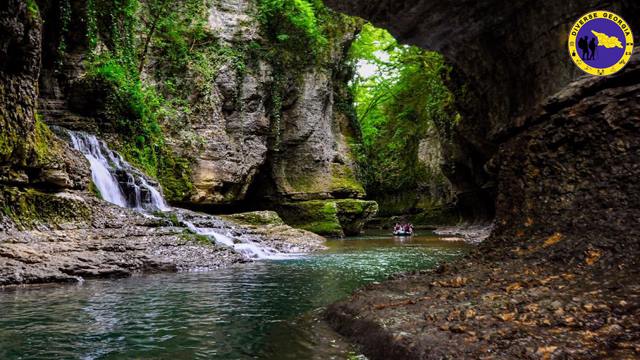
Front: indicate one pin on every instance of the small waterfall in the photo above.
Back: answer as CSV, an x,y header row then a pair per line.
x,y
248,249
118,182
157,200
101,175
123,185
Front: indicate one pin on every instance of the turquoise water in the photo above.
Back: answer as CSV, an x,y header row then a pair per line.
x,y
263,310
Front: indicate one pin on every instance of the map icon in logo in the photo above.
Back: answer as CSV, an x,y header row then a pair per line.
x,y
600,43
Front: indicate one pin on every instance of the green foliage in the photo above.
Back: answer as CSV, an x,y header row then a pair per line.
x,y
203,240
400,100
33,9
65,19
293,23
134,109
155,57
94,190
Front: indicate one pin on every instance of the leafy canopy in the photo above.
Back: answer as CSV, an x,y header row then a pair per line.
x,y
400,99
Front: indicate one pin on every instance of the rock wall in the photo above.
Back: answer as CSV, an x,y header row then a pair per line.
x,y
301,153
242,142
30,155
19,65
432,202
230,131
507,59
572,170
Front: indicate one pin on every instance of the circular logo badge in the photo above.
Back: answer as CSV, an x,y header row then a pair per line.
x,y
600,43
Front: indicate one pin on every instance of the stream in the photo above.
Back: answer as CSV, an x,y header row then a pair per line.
x,y
260,310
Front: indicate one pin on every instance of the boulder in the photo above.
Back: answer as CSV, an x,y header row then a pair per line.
x,y
332,218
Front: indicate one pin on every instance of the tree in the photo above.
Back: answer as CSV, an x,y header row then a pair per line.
x,y
399,96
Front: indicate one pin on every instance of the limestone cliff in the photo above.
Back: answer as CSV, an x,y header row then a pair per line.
x,y
297,151
203,102
30,156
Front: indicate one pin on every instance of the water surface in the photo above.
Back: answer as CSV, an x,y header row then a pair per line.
x,y
263,310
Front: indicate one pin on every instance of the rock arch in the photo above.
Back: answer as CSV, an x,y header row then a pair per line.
x,y
539,148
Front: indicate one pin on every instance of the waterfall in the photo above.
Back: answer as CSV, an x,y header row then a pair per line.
x,y
101,175
118,182
247,248
122,184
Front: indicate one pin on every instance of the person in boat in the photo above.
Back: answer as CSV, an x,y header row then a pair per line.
x,y
396,228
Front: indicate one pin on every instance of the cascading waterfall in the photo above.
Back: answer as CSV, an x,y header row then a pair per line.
x,y
101,175
248,249
121,184
118,182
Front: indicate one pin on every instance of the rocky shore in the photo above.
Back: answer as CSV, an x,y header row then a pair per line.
x,y
473,234
115,242
515,309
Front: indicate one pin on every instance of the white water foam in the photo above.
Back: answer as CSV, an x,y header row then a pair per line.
x,y
107,167
247,248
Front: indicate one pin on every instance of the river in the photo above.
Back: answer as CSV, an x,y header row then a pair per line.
x,y
261,310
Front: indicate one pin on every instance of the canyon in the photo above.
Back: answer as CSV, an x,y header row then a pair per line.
x,y
238,118
557,151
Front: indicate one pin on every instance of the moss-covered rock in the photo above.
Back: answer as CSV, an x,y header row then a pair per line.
x,y
318,216
30,208
256,218
344,181
333,218
354,214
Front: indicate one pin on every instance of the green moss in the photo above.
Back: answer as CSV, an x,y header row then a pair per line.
x,y
329,217
33,9
318,216
7,141
344,180
204,240
43,140
172,217
352,205
354,214
306,183
327,228
94,189
30,208
174,174
256,218
46,149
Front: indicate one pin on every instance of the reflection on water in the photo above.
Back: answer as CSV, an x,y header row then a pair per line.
x,y
261,310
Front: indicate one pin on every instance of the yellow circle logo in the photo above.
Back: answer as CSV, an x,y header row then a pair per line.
x,y
600,43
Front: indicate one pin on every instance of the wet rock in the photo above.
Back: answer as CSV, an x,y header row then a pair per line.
x,y
257,218
334,218
439,325
73,236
